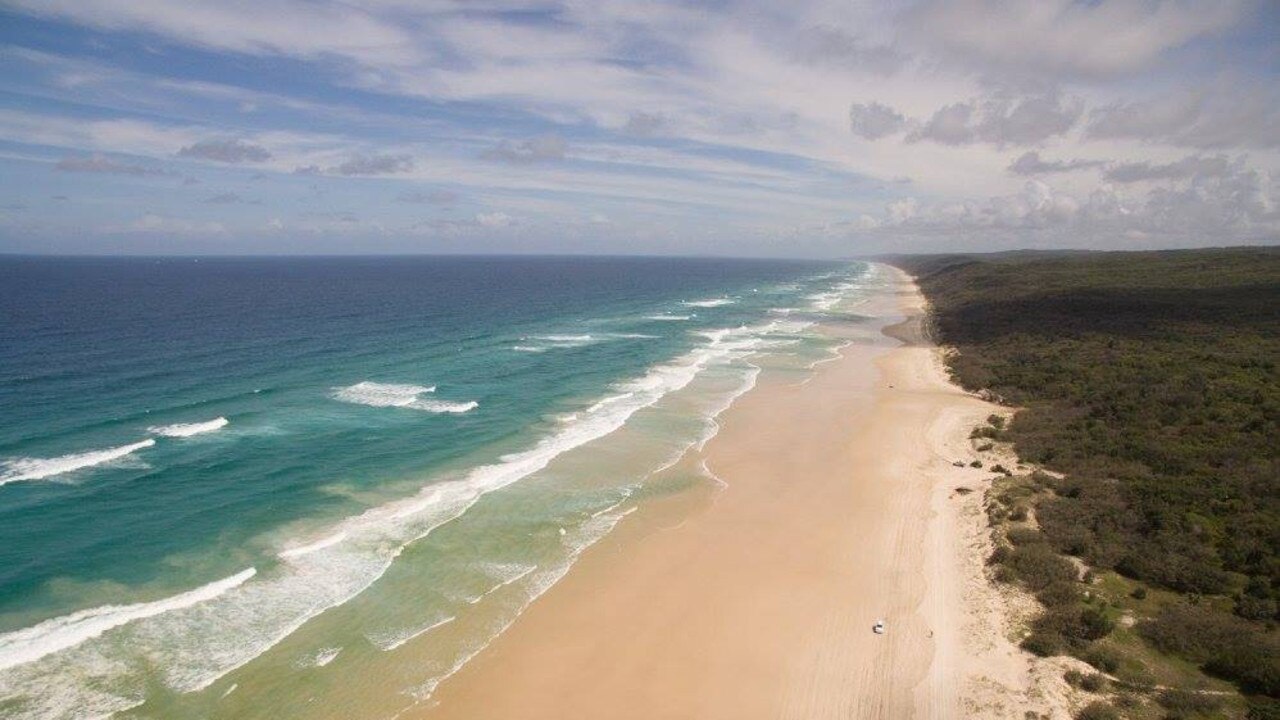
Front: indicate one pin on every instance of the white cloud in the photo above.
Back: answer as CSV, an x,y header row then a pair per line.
x,y
1001,121
874,121
375,165
1235,206
494,220
748,113
1030,163
98,163
1106,37
1188,167
152,223
543,148
226,151
292,27
1242,115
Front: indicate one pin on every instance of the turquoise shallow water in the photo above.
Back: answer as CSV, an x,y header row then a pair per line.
x,y
224,482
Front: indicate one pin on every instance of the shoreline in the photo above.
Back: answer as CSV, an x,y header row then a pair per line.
x,y
757,599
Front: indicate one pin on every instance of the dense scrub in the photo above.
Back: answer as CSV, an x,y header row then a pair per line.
x,y
1151,381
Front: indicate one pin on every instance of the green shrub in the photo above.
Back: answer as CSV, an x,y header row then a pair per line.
x,y
1020,536
975,464
1059,593
1126,701
1093,682
1139,593
1263,708
1103,658
1229,647
1044,644
1188,702
1098,710
988,433
1188,573
1255,608
1095,624
1076,626
1195,632
1037,566
1255,668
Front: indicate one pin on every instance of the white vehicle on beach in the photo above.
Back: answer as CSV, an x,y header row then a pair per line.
x,y
878,628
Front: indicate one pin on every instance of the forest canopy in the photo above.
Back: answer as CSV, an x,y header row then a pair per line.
x,y
1150,379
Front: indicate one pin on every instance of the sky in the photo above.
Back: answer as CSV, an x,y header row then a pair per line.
x,y
808,128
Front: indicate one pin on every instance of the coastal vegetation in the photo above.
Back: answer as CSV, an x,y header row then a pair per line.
x,y
1146,386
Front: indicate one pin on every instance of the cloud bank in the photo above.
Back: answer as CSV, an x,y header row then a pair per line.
x,y
737,128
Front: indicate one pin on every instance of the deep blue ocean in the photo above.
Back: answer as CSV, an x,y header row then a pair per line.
x,y
228,448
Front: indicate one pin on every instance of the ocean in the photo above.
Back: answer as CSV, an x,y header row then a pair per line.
x,y
236,487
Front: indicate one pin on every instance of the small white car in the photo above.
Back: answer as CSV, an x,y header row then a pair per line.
x,y
878,628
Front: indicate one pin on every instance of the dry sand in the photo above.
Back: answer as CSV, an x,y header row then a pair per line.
x,y
757,600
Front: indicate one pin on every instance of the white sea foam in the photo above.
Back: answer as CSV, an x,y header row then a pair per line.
x,y
713,418
187,647
326,656
834,355
833,296
543,343
709,303
392,639
181,430
320,544
707,471
18,469
514,574
444,406
376,394
629,491
382,394
31,644
319,658
588,534
669,318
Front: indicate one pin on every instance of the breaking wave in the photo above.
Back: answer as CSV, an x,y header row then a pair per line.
x,y
543,343
708,303
50,636
402,396
190,640
19,469
181,430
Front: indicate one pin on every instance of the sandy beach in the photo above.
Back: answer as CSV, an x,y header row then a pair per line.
x,y
840,506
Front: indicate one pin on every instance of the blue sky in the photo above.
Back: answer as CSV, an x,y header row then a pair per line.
x,y
811,128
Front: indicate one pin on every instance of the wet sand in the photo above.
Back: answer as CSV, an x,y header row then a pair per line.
x,y
757,600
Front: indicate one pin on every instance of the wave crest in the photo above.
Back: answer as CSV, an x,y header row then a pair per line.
x,y
27,468
31,644
376,394
709,303
181,430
